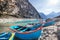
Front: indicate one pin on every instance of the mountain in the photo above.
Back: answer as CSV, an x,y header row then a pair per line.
x,y
53,14
18,8
57,17
42,15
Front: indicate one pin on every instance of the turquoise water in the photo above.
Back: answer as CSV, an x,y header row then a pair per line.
x,y
23,23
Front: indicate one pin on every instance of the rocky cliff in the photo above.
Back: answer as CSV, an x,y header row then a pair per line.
x,y
18,8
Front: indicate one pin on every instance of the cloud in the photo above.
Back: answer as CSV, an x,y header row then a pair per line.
x,y
46,6
52,2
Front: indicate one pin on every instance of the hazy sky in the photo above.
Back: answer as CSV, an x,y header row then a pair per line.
x,y
46,6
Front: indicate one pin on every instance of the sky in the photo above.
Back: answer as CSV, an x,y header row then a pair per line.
x,y
46,6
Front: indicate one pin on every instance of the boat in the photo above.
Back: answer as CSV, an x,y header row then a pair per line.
x,y
5,36
49,23
27,33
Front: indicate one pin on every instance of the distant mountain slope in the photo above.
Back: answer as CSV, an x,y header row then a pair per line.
x,y
43,16
53,14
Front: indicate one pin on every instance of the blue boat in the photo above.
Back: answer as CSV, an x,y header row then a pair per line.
x,y
5,36
49,23
27,33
